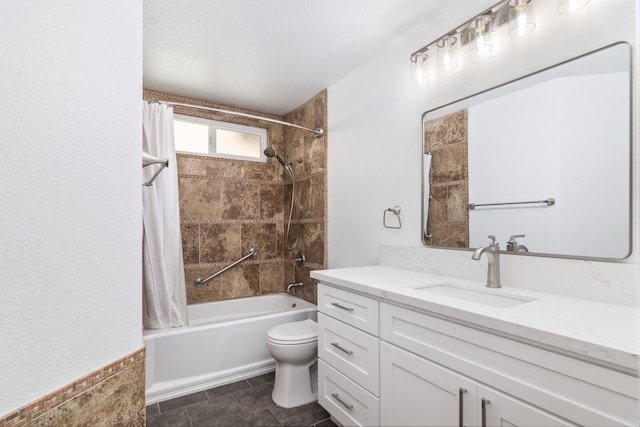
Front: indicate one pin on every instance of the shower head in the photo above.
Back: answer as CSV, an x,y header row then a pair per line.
x,y
270,153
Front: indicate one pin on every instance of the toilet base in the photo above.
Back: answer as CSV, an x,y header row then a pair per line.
x,y
295,385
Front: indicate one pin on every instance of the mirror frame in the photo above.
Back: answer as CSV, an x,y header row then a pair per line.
x,y
423,225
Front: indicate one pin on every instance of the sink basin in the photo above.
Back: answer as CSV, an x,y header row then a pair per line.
x,y
493,298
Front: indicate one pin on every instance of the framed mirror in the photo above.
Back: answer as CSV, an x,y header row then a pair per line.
x,y
546,157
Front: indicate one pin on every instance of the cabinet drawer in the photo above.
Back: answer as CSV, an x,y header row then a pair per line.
x,y
353,309
351,351
347,402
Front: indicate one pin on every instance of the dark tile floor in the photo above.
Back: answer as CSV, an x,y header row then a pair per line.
x,y
244,403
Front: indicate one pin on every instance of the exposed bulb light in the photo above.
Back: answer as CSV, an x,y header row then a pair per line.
x,y
520,18
447,60
481,43
418,71
568,6
475,34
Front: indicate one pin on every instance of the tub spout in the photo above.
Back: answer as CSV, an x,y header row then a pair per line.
x,y
294,285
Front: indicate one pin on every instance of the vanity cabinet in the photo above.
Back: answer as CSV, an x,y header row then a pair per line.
x,y
435,372
417,392
391,364
348,352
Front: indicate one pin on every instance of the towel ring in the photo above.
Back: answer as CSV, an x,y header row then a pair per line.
x,y
396,211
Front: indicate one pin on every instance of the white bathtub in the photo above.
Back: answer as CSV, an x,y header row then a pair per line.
x,y
224,343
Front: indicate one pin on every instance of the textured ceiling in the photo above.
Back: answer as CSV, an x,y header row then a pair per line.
x,y
266,55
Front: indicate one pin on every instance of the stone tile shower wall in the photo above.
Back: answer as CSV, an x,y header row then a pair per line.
x,y
311,191
229,206
446,139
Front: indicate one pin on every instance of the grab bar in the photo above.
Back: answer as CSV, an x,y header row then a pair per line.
x,y
549,202
201,282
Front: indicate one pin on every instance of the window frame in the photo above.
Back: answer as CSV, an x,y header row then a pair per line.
x,y
228,126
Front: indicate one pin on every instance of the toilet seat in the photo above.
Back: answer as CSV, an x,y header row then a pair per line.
x,y
302,332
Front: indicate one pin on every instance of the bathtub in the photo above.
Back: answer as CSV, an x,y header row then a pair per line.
x,y
223,343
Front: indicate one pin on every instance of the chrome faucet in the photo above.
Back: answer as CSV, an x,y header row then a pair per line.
x,y
514,246
294,285
493,255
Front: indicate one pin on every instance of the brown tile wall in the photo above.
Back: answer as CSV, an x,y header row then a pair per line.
x,y
311,191
113,395
446,139
229,206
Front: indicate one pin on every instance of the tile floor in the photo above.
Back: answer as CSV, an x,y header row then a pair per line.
x,y
244,403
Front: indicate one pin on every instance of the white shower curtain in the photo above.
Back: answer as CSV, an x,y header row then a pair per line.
x,y
426,176
164,293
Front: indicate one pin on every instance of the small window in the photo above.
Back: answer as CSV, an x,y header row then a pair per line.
x,y
219,139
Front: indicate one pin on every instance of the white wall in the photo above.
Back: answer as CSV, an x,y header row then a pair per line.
x,y
70,214
550,140
374,153
514,157
592,155
375,126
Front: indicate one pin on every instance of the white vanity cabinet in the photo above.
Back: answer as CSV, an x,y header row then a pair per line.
x,y
436,372
417,392
348,352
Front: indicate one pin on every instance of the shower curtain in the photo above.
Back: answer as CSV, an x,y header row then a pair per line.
x,y
164,293
426,176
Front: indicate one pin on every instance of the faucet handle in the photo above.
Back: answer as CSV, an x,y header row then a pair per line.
x,y
513,238
493,243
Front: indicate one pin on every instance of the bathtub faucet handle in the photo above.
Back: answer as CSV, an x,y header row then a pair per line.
x,y
294,285
299,260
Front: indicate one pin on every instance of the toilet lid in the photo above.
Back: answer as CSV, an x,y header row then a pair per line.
x,y
305,330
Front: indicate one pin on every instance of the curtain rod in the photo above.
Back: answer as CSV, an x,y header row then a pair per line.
x,y
318,132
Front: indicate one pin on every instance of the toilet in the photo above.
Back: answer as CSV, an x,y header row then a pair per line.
x,y
294,346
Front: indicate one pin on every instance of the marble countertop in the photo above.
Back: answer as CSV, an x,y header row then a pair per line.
x,y
601,332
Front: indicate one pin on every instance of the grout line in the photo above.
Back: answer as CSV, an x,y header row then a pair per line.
x,y
186,411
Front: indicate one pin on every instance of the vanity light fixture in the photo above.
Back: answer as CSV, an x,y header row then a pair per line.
x,y
418,68
447,53
520,18
480,30
568,6
475,34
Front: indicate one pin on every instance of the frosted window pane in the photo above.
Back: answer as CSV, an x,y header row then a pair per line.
x,y
237,143
191,137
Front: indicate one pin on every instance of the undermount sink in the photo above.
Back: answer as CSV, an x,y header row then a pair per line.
x,y
490,297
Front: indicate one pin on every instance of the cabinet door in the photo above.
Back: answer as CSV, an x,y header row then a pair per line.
x,y
416,392
497,409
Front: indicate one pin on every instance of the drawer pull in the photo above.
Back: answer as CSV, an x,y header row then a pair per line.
x,y
461,391
336,396
335,304
484,402
337,345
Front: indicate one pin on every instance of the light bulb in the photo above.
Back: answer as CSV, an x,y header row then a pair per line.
x,y
447,53
419,72
481,43
520,18
418,60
